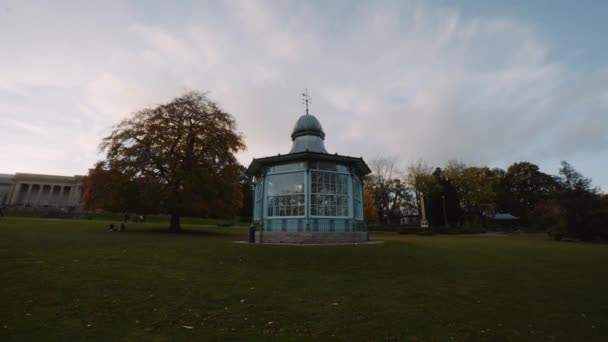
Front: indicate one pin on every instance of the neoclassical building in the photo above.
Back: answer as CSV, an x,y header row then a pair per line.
x,y
308,195
40,191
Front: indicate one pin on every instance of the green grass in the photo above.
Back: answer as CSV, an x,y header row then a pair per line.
x,y
118,217
72,280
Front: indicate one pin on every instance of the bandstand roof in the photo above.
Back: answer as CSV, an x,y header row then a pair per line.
x,y
257,165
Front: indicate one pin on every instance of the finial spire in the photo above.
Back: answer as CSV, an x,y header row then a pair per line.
x,y
306,99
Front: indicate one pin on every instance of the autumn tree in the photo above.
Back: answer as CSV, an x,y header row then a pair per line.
x,y
180,155
443,201
369,209
476,188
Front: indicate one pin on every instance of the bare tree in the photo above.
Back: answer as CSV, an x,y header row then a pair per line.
x,y
386,187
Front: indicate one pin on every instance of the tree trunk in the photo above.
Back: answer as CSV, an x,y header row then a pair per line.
x,y
175,223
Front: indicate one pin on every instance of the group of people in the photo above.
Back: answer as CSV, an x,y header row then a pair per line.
x,y
127,217
112,228
137,219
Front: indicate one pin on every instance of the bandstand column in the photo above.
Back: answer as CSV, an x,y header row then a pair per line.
x,y
307,198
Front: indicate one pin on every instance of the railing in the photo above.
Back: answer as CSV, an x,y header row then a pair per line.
x,y
312,225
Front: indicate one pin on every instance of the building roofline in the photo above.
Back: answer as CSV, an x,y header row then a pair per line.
x,y
20,175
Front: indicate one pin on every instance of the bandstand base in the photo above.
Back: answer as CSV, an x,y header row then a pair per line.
x,y
310,237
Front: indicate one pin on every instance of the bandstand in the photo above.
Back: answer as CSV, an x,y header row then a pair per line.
x,y
308,195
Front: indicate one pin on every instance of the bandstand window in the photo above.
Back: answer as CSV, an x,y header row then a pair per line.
x,y
329,194
286,194
287,167
328,166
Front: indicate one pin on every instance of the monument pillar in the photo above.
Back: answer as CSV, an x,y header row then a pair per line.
x,y
423,222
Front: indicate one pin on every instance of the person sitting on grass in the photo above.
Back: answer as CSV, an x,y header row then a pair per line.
x,y
112,227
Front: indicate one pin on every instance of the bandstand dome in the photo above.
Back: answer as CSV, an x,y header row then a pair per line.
x,y
308,135
308,195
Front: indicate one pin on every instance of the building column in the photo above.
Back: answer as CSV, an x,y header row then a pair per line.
x,y
77,195
62,200
15,194
11,192
50,196
70,194
73,201
27,196
40,188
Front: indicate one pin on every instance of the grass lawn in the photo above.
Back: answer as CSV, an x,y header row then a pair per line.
x,y
72,280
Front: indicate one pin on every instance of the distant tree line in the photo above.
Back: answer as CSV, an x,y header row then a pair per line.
x,y
460,197
179,158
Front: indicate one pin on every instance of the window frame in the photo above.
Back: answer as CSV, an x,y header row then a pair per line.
x,y
267,197
349,194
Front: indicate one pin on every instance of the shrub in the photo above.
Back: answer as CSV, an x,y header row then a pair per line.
x,y
557,230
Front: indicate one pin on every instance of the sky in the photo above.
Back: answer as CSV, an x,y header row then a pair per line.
x,y
481,82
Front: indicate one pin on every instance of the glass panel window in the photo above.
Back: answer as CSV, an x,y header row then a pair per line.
x,y
286,194
287,167
328,166
329,194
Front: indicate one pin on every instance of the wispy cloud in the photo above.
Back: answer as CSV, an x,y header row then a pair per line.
x,y
415,80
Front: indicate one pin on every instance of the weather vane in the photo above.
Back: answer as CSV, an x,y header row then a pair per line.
x,y
306,99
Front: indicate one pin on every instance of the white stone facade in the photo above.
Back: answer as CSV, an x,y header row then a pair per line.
x,y
40,191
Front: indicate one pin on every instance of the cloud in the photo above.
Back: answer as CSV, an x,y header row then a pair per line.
x,y
399,78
